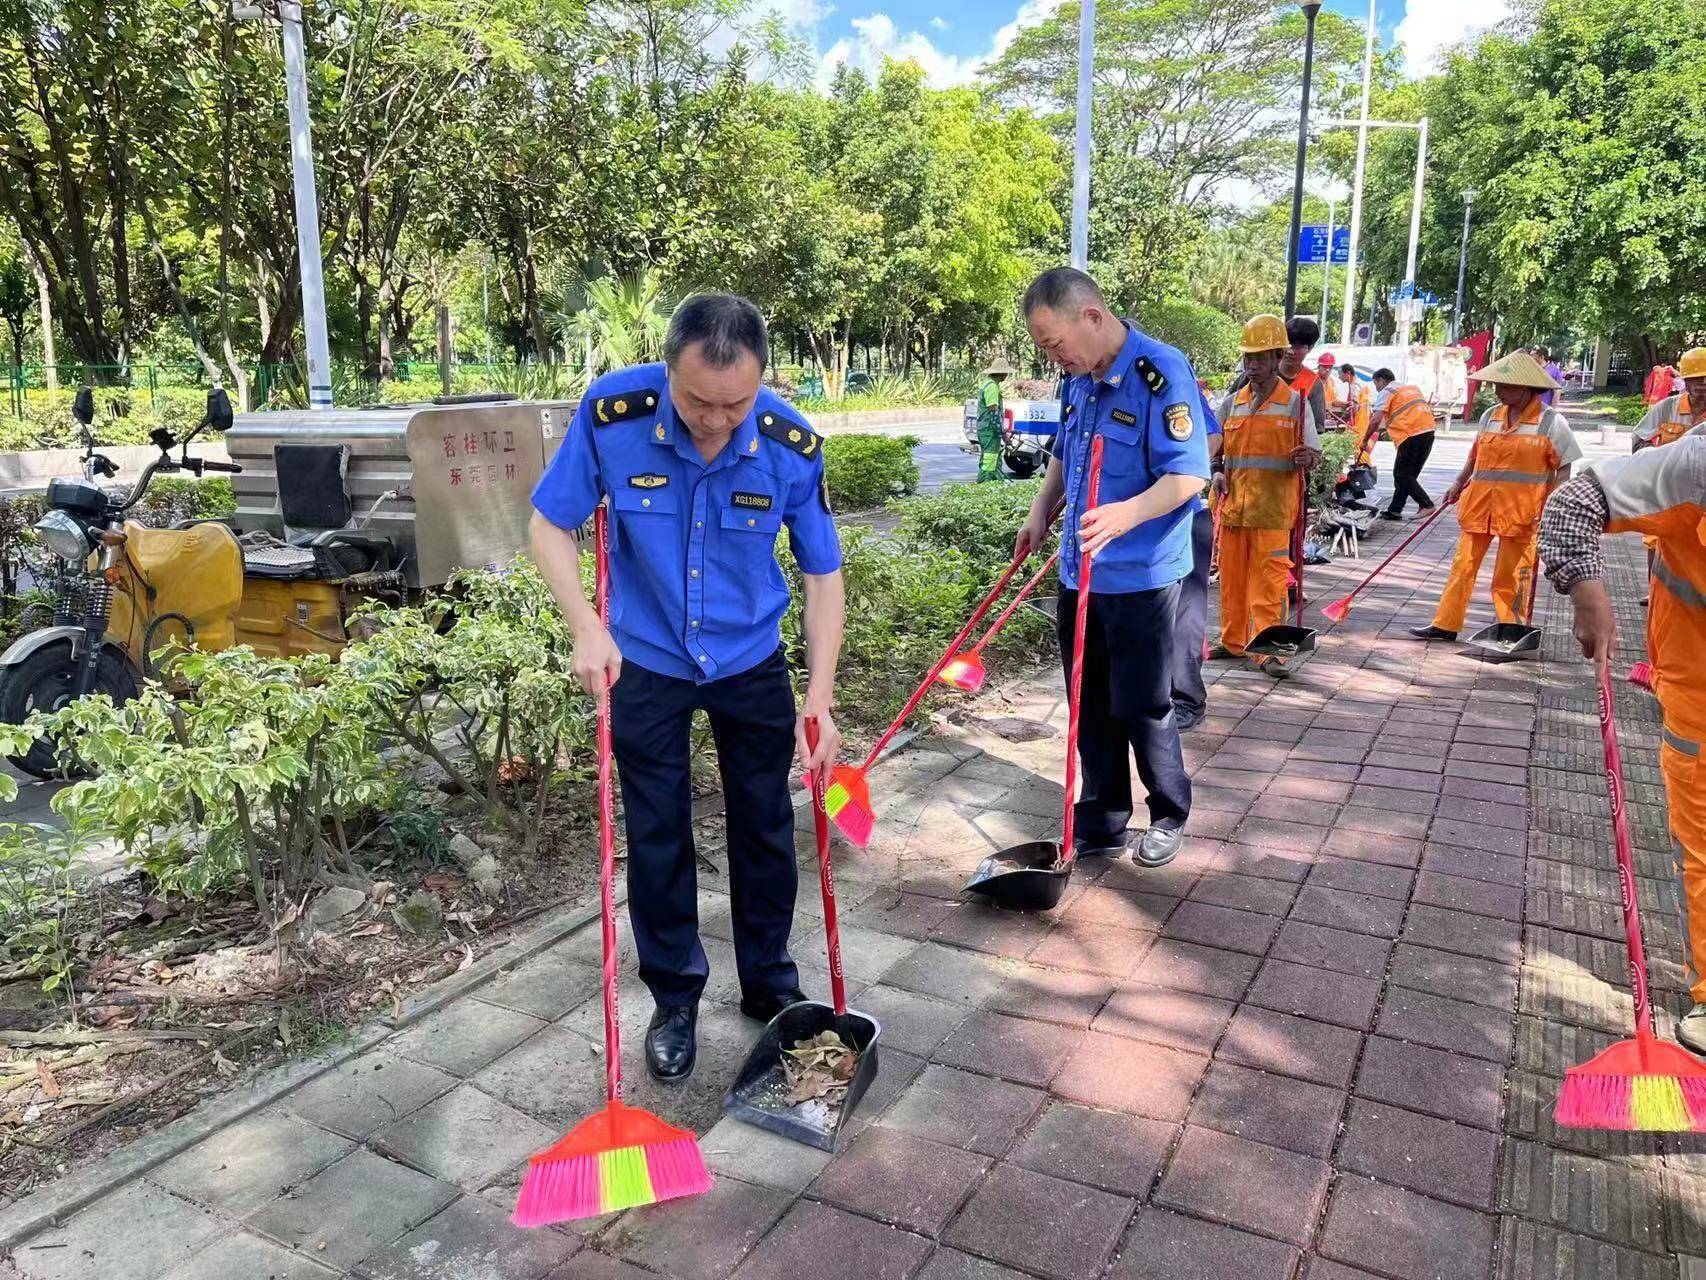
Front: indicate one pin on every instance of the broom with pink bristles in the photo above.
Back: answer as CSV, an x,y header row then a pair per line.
x,y
1644,1083
620,1157
966,670
1641,676
1337,611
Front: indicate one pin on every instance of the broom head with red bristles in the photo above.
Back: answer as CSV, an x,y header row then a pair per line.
x,y
848,802
1641,675
1336,611
1643,1084
964,671
617,1158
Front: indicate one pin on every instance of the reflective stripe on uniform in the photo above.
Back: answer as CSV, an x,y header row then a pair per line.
x,y
1243,463
1279,553
1677,742
1677,585
1513,477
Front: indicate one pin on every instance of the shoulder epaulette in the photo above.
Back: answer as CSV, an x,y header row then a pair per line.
x,y
785,430
1153,378
624,405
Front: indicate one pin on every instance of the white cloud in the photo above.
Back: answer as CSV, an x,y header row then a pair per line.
x,y
1430,27
875,37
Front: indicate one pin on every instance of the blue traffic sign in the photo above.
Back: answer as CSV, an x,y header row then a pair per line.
x,y
1408,290
1312,244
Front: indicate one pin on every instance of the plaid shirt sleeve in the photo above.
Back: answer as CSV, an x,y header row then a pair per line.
x,y
1570,531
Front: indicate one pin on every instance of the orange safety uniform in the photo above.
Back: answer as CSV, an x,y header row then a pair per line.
x,y
1260,510
1665,423
1360,395
1513,462
1662,495
1407,414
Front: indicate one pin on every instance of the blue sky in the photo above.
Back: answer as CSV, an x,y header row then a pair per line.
x,y
951,38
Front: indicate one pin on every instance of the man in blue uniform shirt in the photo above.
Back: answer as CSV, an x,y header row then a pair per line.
x,y
1141,397
702,468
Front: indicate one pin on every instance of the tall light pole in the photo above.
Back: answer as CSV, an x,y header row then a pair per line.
x,y
1310,9
307,201
1415,233
1462,264
1081,142
1327,267
1349,320
1363,126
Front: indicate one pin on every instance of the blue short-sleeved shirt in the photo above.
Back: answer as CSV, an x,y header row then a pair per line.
x,y
696,592
1149,410
1211,416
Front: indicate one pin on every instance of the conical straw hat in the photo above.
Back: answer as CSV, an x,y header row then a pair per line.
x,y
1518,369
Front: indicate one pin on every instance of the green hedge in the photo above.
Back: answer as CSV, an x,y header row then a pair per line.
x,y
979,520
865,471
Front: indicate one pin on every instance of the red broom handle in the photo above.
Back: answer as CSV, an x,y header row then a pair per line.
x,y
1418,531
1625,856
826,876
1080,627
1302,510
606,827
1024,592
977,616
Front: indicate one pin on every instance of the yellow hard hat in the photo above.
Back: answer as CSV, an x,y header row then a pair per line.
x,y
1264,333
1693,363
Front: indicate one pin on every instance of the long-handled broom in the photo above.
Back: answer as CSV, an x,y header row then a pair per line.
x,y
1336,611
848,798
1643,1083
620,1157
966,670
1641,675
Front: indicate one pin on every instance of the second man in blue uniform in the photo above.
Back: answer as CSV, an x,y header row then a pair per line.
x,y
1141,397
702,468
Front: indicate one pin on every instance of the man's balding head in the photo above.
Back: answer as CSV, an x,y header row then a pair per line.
x,y
1069,319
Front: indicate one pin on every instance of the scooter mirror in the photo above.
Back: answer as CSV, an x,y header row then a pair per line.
x,y
218,409
83,407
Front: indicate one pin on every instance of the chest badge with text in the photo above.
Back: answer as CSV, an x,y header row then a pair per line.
x,y
753,501
649,481
1179,423
1124,416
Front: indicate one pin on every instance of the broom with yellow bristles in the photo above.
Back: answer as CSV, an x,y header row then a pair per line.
x,y
1644,1083
622,1157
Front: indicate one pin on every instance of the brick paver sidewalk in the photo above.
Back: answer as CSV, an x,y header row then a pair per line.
x,y
1324,1043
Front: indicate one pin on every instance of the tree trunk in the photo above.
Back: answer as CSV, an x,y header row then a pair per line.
x,y
530,301
387,366
260,281
45,298
177,294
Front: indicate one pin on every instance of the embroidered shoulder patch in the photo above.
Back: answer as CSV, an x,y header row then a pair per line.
x,y
823,494
620,408
784,430
1179,422
1153,378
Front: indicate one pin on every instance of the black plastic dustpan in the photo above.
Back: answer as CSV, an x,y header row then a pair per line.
x,y
759,1095
1027,877
1505,640
1032,876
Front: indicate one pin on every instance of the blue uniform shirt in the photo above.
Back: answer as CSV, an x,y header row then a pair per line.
x,y
696,592
1211,415
1149,410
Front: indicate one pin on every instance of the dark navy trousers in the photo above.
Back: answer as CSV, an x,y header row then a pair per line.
x,y
1190,622
1126,706
752,724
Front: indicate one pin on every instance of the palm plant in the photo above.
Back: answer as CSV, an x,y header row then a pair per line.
x,y
622,322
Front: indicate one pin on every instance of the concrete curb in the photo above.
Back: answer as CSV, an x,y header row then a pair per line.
x,y
866,418
29,472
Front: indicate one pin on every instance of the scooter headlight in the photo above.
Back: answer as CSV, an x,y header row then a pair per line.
x,y
62,535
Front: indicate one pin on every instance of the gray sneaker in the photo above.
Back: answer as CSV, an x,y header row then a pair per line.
x,y
1159,846
1691,1030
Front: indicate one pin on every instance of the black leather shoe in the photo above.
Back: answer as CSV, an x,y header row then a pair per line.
x,y
1185,721
767,1004
671,1045
1432,633
1391,515
1102,846
1159,846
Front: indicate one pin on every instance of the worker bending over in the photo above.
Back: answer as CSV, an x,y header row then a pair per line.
x,y
1660,493
1268,431
1403,413
1524,451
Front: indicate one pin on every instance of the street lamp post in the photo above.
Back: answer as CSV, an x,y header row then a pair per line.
x,y
1081,141
1310,9
1462,265
289,15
